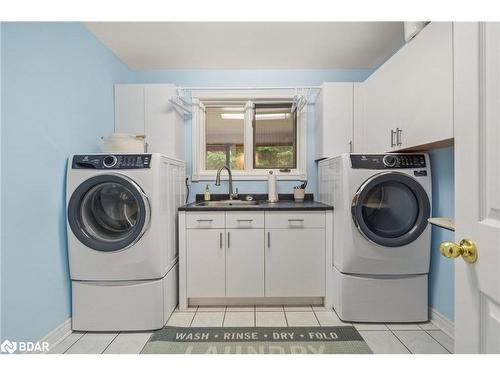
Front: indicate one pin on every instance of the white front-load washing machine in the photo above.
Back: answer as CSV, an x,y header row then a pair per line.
x,y
121,218
382,240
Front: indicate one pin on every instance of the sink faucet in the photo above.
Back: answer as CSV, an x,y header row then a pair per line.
x,y
217,181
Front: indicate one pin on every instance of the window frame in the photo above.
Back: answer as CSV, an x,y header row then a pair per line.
x,y
248,100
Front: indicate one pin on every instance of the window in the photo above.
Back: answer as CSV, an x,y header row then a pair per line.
x,y
274,137
224,137
251,135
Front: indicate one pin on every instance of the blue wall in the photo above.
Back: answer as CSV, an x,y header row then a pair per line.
x,y
57,85
244,78
442,275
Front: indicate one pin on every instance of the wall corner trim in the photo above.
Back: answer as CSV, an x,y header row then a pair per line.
x,y
442,322
58,334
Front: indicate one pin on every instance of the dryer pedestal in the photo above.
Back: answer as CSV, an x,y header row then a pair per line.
x,y
380,299
123,305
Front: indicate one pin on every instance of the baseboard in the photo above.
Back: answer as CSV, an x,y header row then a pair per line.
x,y
58,334
442,322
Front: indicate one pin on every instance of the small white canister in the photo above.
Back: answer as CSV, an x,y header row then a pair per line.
x,y
126,143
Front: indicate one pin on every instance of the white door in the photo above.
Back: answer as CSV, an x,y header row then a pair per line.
x,y
477,199
245,263
205,263
295,262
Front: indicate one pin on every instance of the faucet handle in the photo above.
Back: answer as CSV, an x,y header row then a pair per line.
x,y
234,195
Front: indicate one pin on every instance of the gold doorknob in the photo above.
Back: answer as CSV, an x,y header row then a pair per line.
x,y
467,249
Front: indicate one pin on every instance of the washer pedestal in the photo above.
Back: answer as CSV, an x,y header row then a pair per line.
x,y
123,305
384,299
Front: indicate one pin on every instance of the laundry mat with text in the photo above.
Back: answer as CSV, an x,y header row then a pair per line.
x,y
296,340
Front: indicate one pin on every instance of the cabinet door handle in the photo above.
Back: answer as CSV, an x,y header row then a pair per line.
x,y
398,136
220,240
244,220
392,138
268,240
228,240
292,220
350,147
204,220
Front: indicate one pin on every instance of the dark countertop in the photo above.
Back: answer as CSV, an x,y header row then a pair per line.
x,y
286,203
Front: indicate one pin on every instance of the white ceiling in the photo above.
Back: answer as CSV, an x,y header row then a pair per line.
x,y
250,45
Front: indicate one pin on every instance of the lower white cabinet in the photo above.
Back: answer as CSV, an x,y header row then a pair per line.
x,y
206,263
295,262
244,255
245,263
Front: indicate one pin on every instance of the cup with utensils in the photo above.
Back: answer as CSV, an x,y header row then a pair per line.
x,y
299,192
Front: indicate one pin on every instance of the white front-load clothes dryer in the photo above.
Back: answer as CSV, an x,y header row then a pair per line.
x,y
381,251
382,203
122,256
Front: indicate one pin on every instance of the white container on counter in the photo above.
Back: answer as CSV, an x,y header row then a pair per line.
x,y
121,142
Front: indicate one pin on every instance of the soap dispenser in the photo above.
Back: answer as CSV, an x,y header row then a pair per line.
x,y
207,193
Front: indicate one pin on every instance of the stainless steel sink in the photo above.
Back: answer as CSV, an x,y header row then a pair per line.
x,y
227,203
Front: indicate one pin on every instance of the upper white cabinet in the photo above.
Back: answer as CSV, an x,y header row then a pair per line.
x,y
145,109
129,109
334,119
408,101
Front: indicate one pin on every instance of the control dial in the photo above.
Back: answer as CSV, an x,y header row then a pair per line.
x,y
390,161
109,161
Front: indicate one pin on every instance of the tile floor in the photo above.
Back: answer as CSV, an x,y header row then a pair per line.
x,y
423,338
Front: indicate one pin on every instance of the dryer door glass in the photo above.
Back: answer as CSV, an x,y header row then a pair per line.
x,y
391,209
108,213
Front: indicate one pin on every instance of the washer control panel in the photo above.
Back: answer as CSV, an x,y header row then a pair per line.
x,y
388,161
111,161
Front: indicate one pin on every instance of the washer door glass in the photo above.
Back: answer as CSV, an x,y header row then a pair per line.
x,y
391,209
108,213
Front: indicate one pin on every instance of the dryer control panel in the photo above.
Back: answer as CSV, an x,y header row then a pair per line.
x,y
111,161
388,161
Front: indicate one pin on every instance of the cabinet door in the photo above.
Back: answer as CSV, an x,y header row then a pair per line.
x,y
334,119
205,263
129,109
426,87
380,103
358,118
163,124
245,263
295,262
